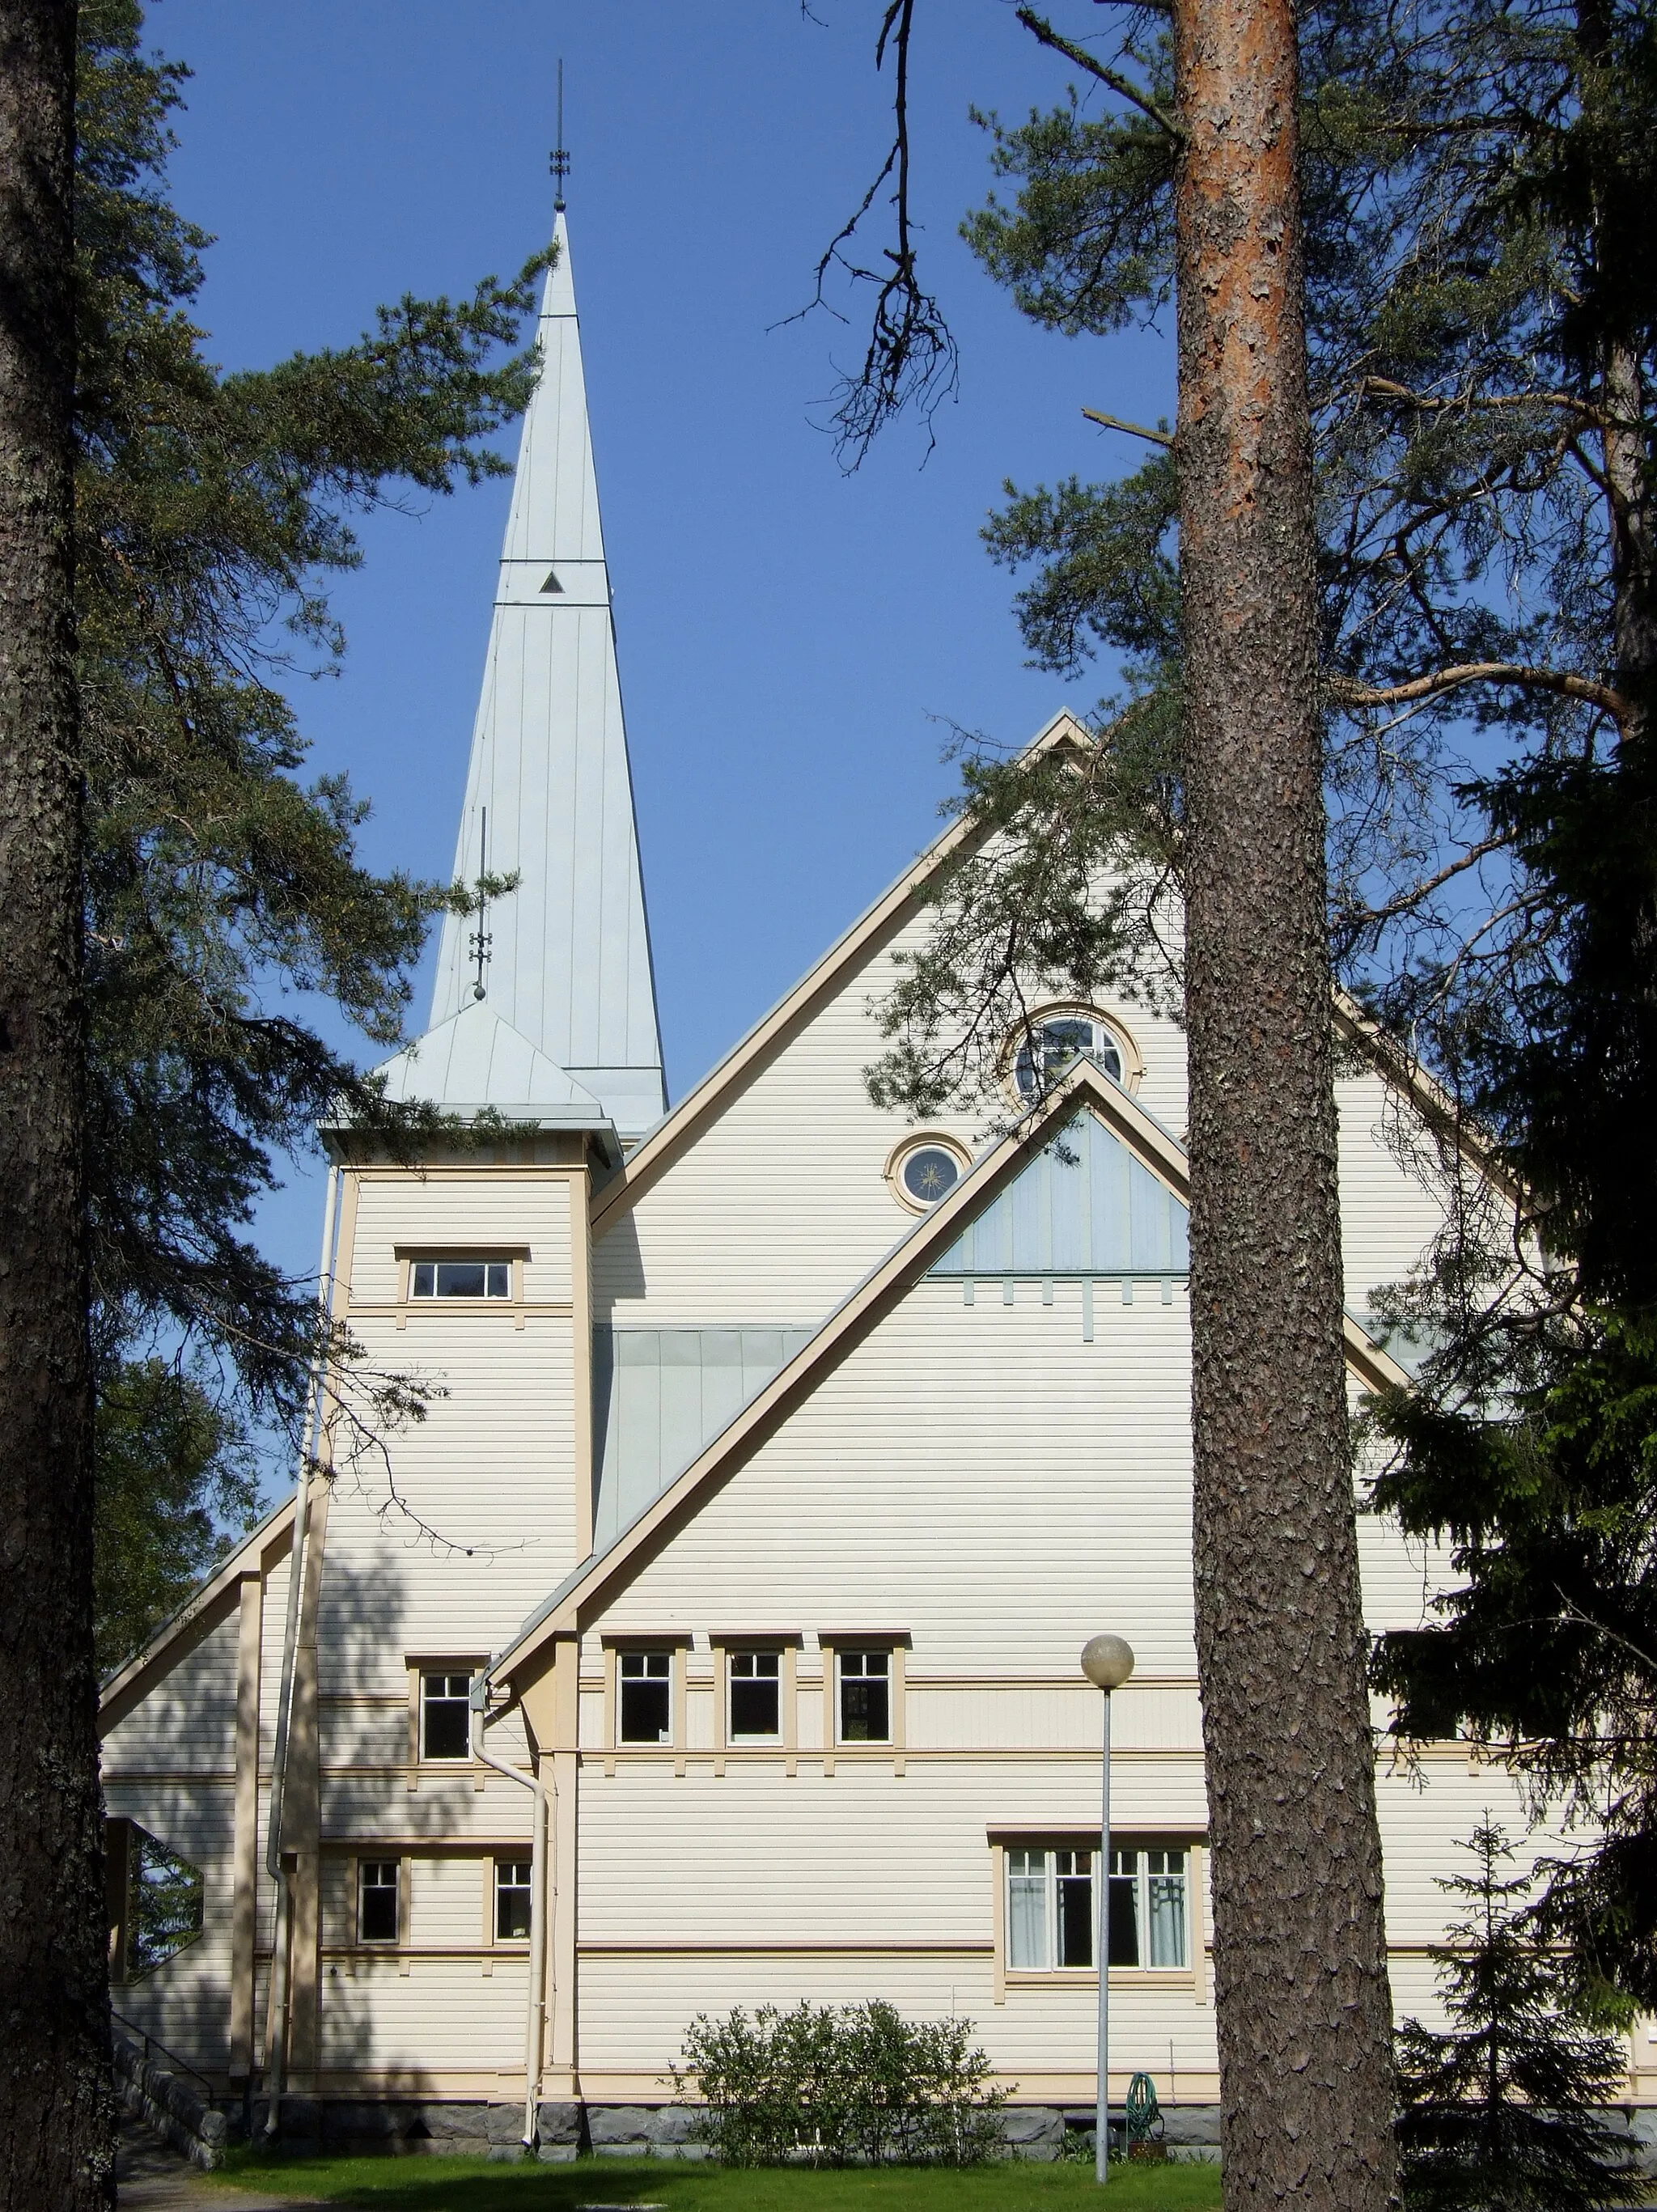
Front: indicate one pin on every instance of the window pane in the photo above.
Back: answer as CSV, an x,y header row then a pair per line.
x,y
1075,1909
647,1698
424,1285
865,1700
377,1897
446,1717
1168,1909
500,1284
460,1279
1026,1910
512,1893
756,1703
1124,1909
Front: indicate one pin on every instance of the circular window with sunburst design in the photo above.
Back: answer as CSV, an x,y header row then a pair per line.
x,y
925,1168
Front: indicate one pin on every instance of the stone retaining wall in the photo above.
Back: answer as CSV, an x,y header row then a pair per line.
x,y
154,2093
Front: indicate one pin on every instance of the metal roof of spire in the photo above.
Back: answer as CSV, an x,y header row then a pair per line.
x,y
566,958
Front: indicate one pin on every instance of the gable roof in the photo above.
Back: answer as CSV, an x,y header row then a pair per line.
x,y
673,1136
889,913
934,1237
201,1612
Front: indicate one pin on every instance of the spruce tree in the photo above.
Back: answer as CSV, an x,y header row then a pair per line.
x,y
1503,2111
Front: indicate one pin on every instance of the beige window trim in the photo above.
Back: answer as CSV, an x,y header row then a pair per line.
x,y
517,1255
785,1643
438,1663
1078,1836
894,1641
676,1641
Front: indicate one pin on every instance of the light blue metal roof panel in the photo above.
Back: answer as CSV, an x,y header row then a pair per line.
x,y
569,963
660,1395
475,1059
1085,1206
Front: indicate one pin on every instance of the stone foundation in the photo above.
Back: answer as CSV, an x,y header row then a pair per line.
x,y
1038,2132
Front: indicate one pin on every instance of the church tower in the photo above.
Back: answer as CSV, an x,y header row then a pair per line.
x,y
544,1006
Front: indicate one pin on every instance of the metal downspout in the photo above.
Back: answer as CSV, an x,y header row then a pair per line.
x,y
535,2026
276,2033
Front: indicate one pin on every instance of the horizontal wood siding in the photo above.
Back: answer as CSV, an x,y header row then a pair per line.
x,y
460,1208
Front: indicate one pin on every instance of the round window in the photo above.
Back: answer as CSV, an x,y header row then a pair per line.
x,y
929,1173
1056,1040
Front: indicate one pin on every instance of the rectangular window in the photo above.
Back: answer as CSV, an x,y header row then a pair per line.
x,y
460,1279
865,1697
377,1884
1051,1908
512,1899
755,1697
1148,1908
646,1687
445,1722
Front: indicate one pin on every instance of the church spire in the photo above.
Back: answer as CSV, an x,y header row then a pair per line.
x,y
563,959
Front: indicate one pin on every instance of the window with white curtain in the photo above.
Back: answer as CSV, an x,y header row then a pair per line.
x,y
1051,1908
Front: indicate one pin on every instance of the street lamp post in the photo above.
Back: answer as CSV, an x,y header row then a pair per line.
x,y
1107,1661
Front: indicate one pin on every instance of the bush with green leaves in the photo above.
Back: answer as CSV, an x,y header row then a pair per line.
x,y
839,2085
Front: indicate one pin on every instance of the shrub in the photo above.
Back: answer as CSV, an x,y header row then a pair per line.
x,y
847,2086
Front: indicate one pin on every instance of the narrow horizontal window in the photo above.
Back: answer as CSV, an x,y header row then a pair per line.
x,y
377,1886
755,1697
446,1717
865,1697
460,1279
513,1896
645,1684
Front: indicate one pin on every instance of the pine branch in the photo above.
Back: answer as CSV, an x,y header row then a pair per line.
x,y
1133,429
1124,87
1559,683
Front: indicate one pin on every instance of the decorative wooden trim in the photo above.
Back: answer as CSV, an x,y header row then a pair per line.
x,y
645,1639
243,1906
118,1893
585,1443
741,1947
1083,1835
1198,1900
998,1864
475,1248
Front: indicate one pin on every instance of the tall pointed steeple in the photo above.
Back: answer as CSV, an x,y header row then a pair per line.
x,y
565,961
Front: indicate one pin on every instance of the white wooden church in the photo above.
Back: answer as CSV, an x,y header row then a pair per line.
x,y
714,1638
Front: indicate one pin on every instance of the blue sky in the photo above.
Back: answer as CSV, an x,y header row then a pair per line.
x,y
793,640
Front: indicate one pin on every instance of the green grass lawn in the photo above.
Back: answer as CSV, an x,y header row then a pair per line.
x,y
471,2184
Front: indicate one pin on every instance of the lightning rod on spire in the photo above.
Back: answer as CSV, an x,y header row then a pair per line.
x,y
559,161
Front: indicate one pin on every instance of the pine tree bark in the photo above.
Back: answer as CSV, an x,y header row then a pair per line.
x,y
1302,2002
54,2105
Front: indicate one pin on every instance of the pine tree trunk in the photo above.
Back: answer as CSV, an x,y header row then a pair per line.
x,y
54,2108
1301,1991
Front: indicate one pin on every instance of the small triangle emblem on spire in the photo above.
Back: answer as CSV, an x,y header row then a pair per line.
x,y
552,583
